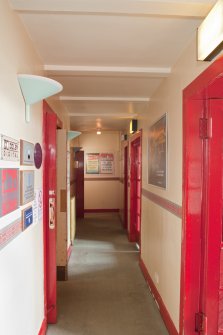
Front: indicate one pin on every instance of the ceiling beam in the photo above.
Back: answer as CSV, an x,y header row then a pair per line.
x,y
108,115
187,9
107,99
72,70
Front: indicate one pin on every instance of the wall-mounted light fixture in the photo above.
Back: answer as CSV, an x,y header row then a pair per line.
x,y
133,126
98,131
71,134
36,88
210,34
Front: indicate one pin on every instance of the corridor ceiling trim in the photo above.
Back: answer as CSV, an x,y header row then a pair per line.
x,y
107,70
110,99
184,9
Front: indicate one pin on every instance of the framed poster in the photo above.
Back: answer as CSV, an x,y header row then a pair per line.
x,y
9,149
9,190
27,217
157,153
26,153
106,163
26,186
92,163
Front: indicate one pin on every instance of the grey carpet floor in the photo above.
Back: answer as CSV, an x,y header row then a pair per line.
x,y
106,293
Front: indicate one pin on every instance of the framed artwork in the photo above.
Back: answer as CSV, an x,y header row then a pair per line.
x,y
157,153
26,186
92,163
27,217
26,153
9,190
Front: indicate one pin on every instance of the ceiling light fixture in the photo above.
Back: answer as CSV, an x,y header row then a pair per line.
x,y
210,34
98,131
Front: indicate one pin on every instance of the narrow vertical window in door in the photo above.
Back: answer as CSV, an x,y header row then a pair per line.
x,y
135,191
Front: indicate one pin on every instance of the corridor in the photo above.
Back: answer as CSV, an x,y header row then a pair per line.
x,y
106,293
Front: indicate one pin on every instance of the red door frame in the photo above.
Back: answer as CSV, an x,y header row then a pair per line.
x,y
49,235
196,189
126,180
136,139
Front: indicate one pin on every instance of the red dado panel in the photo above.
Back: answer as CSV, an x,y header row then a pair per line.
x,y
9,190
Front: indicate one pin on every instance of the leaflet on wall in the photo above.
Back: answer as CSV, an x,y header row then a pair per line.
x,y
9,190
9,149
92,163
37,206
26,187
106,163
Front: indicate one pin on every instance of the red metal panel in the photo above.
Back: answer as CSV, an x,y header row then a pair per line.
x,y
192,215
126,187
202,231
135,186
49,177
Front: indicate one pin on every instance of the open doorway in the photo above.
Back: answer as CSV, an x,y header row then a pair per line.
x,y
202,255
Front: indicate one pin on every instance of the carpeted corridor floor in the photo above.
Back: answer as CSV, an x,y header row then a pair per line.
x,y
106,293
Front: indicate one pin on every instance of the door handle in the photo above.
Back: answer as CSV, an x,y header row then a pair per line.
x,y
52,215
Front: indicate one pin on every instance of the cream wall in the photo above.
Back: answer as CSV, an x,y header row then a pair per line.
x,y
161,230
101,194
21,261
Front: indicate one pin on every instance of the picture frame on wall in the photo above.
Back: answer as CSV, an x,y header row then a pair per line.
x,y
26,186
157,153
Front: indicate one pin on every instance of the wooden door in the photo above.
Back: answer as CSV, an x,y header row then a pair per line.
x,y
79,177
49,180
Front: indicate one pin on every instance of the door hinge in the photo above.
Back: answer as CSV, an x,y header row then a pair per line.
x,y
201,323
205,128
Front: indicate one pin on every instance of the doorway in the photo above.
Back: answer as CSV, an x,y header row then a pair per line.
x,y
202,248
135,188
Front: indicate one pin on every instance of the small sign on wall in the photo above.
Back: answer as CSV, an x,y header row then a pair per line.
x,y
26,153
9,190
27,217
92,163
106,163
9,148
26,187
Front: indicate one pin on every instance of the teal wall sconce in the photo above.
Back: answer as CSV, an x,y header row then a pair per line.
x,y
36,88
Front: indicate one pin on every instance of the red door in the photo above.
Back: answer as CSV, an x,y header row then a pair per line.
x,y
135,191
79,176
49,179
211,284
126,187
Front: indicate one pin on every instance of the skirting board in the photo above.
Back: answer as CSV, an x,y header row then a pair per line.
x,y
43,328
102,210
163,310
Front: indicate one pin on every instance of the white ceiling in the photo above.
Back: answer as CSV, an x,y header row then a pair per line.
x,y
110,56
